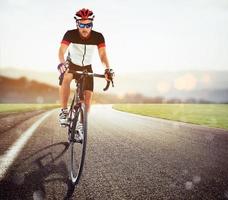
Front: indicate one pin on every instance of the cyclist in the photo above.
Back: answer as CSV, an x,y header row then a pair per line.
x,y
80,43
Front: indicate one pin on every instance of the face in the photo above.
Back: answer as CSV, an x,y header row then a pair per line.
x,y
84,31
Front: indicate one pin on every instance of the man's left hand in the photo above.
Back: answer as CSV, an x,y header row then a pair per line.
x,y
109,74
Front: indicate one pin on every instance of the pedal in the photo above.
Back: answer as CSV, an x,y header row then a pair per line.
x,y
79,141
75,140
64,125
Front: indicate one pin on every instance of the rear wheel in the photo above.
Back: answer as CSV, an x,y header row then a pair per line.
x,y
78,139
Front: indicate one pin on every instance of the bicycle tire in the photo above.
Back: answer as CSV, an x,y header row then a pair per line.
x,y
77,150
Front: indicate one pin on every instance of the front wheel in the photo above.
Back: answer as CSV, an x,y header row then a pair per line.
x,y
78,141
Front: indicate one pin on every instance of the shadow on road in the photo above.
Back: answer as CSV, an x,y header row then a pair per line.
x,y
27,179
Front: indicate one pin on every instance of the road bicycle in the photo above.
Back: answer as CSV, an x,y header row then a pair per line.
x,y
77,127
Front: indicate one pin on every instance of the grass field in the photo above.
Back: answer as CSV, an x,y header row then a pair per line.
x,y
7,108
213,115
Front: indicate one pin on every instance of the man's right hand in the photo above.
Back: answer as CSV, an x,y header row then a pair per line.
x,y
62,67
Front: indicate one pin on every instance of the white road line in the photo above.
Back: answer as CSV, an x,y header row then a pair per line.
x,y
7,159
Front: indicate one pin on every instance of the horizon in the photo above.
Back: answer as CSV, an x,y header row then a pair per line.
x,y
187,93
154,83
119,72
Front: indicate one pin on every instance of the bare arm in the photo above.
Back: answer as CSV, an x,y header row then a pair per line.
x,y
103,57
62,51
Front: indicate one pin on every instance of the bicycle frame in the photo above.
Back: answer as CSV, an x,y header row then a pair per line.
x,y
77,99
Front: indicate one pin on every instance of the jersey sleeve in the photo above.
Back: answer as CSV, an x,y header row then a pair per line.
x,y
66,38
101,41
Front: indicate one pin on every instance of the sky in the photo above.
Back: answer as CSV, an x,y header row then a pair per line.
x,y
141,36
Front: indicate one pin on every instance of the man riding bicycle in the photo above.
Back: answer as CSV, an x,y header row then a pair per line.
x,y
81,43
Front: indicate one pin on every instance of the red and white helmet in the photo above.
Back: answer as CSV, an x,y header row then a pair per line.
x,y
84,14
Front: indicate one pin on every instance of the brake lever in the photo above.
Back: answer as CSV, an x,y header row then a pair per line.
x,y
112,83
107,86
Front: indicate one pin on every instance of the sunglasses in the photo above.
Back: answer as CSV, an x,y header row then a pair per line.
x,y
89,25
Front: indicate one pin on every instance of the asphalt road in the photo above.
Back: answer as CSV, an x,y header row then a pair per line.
x,y
128,157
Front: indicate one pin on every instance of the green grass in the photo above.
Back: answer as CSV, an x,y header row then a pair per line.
x,y
213,115
8,108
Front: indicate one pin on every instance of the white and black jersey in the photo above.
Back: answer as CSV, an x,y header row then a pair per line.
x,y
80,49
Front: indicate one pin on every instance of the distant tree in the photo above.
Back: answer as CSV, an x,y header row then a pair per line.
x,y
22,80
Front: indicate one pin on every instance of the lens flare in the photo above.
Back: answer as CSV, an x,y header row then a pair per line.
x,y
206,78
189,185
185,82
163,87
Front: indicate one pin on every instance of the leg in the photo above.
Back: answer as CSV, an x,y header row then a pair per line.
x,y
64,91
88,99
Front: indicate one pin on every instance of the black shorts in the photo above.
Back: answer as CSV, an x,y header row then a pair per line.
x,y
89,80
